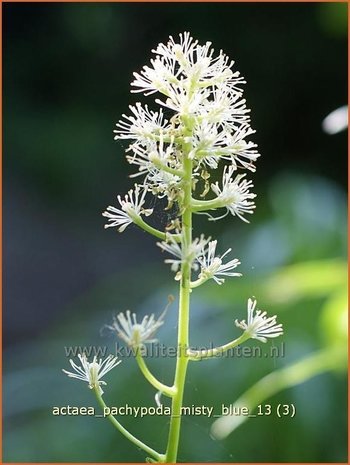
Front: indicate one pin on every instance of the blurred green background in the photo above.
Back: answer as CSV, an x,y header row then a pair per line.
x,y
66,75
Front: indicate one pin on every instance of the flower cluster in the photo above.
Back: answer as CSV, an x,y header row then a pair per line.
x,y
207,122
202,97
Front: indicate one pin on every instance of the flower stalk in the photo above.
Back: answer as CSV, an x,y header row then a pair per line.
x,y
198,355
184,313
167,390
138,443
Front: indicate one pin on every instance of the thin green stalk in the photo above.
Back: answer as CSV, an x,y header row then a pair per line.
x,y
146,227
126,433
205,205
164,167
184,304
198,282
197,355
167,390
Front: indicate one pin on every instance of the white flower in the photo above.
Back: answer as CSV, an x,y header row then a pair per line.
x,y
167,68
228,144
162,183
207,140
212,266
224,107
185,104
141,125
140,158
238,150
133,333
92,372
162,77
132,206
151,161
212,141
234,194
174,248
159,180
259,326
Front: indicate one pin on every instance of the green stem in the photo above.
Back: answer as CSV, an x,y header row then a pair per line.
x,y
204,205
162,166
198,282
146,227
125,432
167,390
196,355
184,304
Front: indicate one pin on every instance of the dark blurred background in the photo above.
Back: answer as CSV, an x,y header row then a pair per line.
x,y
66,78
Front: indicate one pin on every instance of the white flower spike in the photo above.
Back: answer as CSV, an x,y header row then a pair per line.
x,y
200,123
92,372
259,326
133,333
202,92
